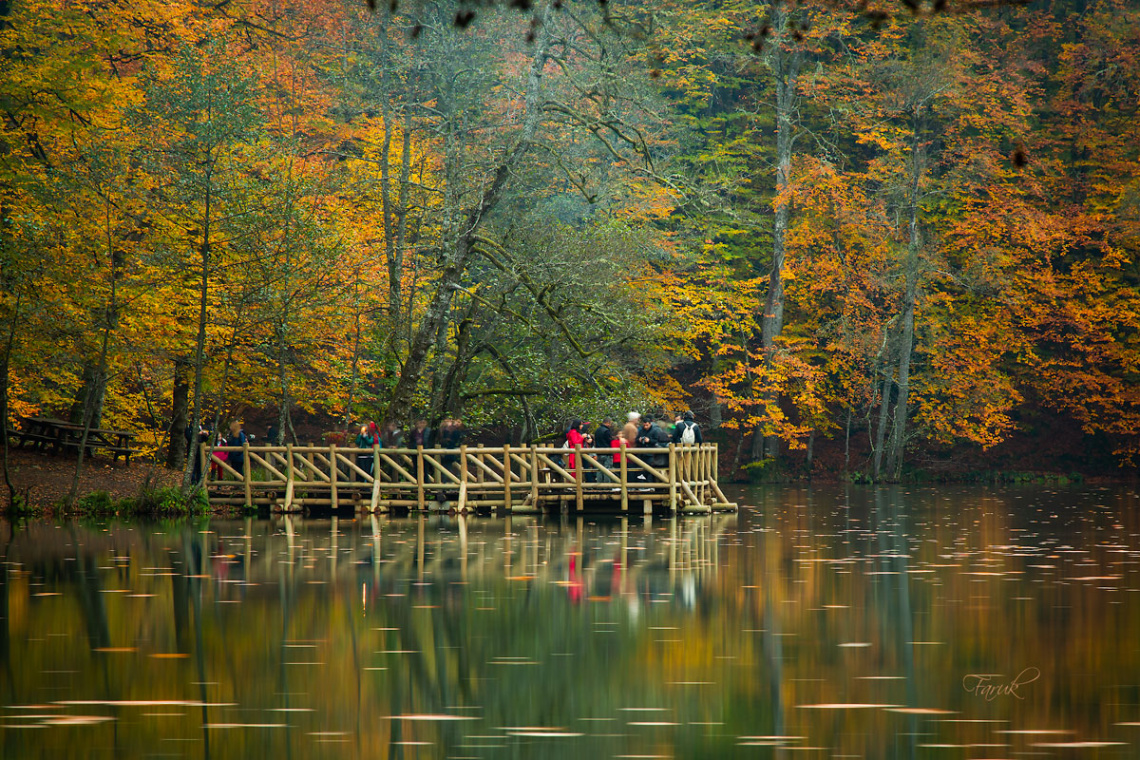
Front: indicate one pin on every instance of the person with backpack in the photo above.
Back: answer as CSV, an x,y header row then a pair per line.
x,y
687,432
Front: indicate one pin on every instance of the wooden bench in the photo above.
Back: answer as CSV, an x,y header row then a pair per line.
x,y
66,436
38,441
121,451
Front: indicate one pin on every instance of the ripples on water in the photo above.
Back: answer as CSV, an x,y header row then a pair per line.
x,y
885,623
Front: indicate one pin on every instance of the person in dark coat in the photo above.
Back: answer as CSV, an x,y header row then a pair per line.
x,y
237,437
603,439
194,449
659,438
604,434
420,435
450,437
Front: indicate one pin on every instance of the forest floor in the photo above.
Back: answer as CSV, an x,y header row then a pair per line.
x,y
44,479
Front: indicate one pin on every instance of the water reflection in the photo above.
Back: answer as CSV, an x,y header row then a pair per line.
x,y
868,623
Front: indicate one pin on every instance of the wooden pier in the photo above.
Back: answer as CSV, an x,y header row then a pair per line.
x,y
679,478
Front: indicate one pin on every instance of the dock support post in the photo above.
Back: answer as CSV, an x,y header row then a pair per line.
x,y
673,473
289,471
247,475
481,458
702,473
624,478
507,477
205,451
333,469
420,498
578,475
462,478
715,469
533,477
375,500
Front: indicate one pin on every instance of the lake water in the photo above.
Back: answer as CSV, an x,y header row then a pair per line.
x,y
867,623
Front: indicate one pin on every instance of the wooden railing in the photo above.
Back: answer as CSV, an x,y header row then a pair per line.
x,y
511,478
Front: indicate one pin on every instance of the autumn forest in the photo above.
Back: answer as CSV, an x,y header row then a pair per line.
x,y
860,239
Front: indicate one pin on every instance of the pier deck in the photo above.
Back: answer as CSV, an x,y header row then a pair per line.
x,y
515,479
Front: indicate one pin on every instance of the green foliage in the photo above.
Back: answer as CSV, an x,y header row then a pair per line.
x,y
96,502
170,500
162,500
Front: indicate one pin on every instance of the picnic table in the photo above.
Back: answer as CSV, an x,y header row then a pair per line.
x,y
62,436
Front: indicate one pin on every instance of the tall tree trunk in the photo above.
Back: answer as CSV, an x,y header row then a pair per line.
x,y
87,409
5,361
393,254
455,265
906,345
355,372
97,387
449,398
200,341
847,440
785,66
221,395
179,418
402,205
916,167
283,380
880,435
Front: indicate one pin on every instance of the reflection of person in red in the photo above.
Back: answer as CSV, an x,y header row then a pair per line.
x,y
574,586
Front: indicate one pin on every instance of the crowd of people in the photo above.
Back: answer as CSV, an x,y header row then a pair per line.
x,y
638,432
235,459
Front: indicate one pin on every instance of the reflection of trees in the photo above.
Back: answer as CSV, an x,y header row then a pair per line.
x,y
456,612
924,567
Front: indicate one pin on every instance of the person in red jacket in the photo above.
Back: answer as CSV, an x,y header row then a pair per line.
x,y
574,438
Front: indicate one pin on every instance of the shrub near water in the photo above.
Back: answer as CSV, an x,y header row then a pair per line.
x,y
96,501
162,500
171,499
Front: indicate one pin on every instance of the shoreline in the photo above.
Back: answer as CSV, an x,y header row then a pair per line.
x,y
43,480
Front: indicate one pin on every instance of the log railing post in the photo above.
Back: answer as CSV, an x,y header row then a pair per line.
x,y
673,476
715,475
578,475
247,475
624,478
289,485
533,477
507,477
205,451
374,502
699,473
420,498
462,506
333,470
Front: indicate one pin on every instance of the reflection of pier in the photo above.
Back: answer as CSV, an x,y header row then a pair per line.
x,y
681,478
635,554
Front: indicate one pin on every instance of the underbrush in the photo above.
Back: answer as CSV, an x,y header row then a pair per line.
x,y
165,500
